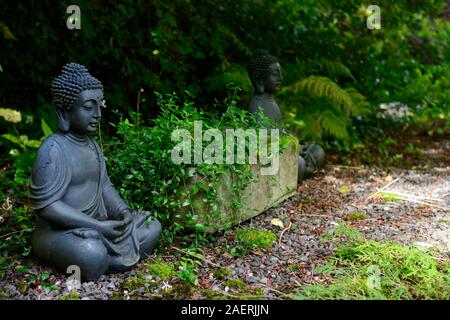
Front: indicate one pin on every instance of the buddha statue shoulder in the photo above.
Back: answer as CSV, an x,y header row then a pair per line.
x,y
266,77
82,220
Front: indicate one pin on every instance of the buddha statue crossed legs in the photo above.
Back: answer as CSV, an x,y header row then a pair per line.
x,y
82,220
266,77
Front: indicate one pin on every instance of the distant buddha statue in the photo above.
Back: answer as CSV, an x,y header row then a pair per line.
x,y
83,221
266,77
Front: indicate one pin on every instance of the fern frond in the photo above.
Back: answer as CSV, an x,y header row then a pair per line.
x,y
312,129
316,86
334,124
335,68
360,104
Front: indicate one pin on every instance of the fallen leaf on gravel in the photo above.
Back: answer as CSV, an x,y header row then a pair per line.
x,y
277,222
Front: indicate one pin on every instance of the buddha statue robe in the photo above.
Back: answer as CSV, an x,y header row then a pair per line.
x,y
70,169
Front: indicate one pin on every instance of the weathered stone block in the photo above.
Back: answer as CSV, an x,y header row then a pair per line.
x,y
263,192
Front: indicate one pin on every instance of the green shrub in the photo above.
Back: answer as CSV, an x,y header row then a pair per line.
x,y
141,168
16,218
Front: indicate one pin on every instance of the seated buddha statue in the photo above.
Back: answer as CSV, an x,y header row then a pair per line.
x,y
82,220
266,76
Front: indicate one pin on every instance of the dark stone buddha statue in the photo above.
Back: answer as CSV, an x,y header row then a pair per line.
x,y
83,221
266,76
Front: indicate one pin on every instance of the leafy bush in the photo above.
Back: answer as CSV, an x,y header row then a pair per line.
x,y
141,167
16,218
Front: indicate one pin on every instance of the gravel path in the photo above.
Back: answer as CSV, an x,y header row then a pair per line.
x,y
319,205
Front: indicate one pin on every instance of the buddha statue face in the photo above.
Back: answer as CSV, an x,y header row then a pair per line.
x,y
273,79
78,98
85,115
265,72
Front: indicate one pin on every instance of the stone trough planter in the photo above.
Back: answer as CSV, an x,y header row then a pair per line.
x,y
263,192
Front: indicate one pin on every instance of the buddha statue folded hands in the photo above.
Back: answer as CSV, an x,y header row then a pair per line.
x,y
83,220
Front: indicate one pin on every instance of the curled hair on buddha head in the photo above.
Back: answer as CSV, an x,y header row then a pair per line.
x,y
258,68
73,79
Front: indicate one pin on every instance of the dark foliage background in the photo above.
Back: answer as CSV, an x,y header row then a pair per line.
x,y
202,46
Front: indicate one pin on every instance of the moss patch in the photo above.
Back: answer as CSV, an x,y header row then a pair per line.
x,y
73,295
344,189
357,216
161,270
222,273
236,284
256,238
214,295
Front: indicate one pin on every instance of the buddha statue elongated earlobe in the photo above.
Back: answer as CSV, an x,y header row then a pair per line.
x,y
259,86
63,117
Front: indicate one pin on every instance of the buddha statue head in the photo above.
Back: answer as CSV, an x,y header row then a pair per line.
x,y
78,98
265,72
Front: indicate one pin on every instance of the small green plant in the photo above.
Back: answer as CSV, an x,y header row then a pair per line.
x,y
295,267
250,238
383,148
256,238
35,280
133,283
357,216
187,271
343,231
222,273
236,284
390,196
258,291
161,270
411,149
214,295
188,266
73,295
344,189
